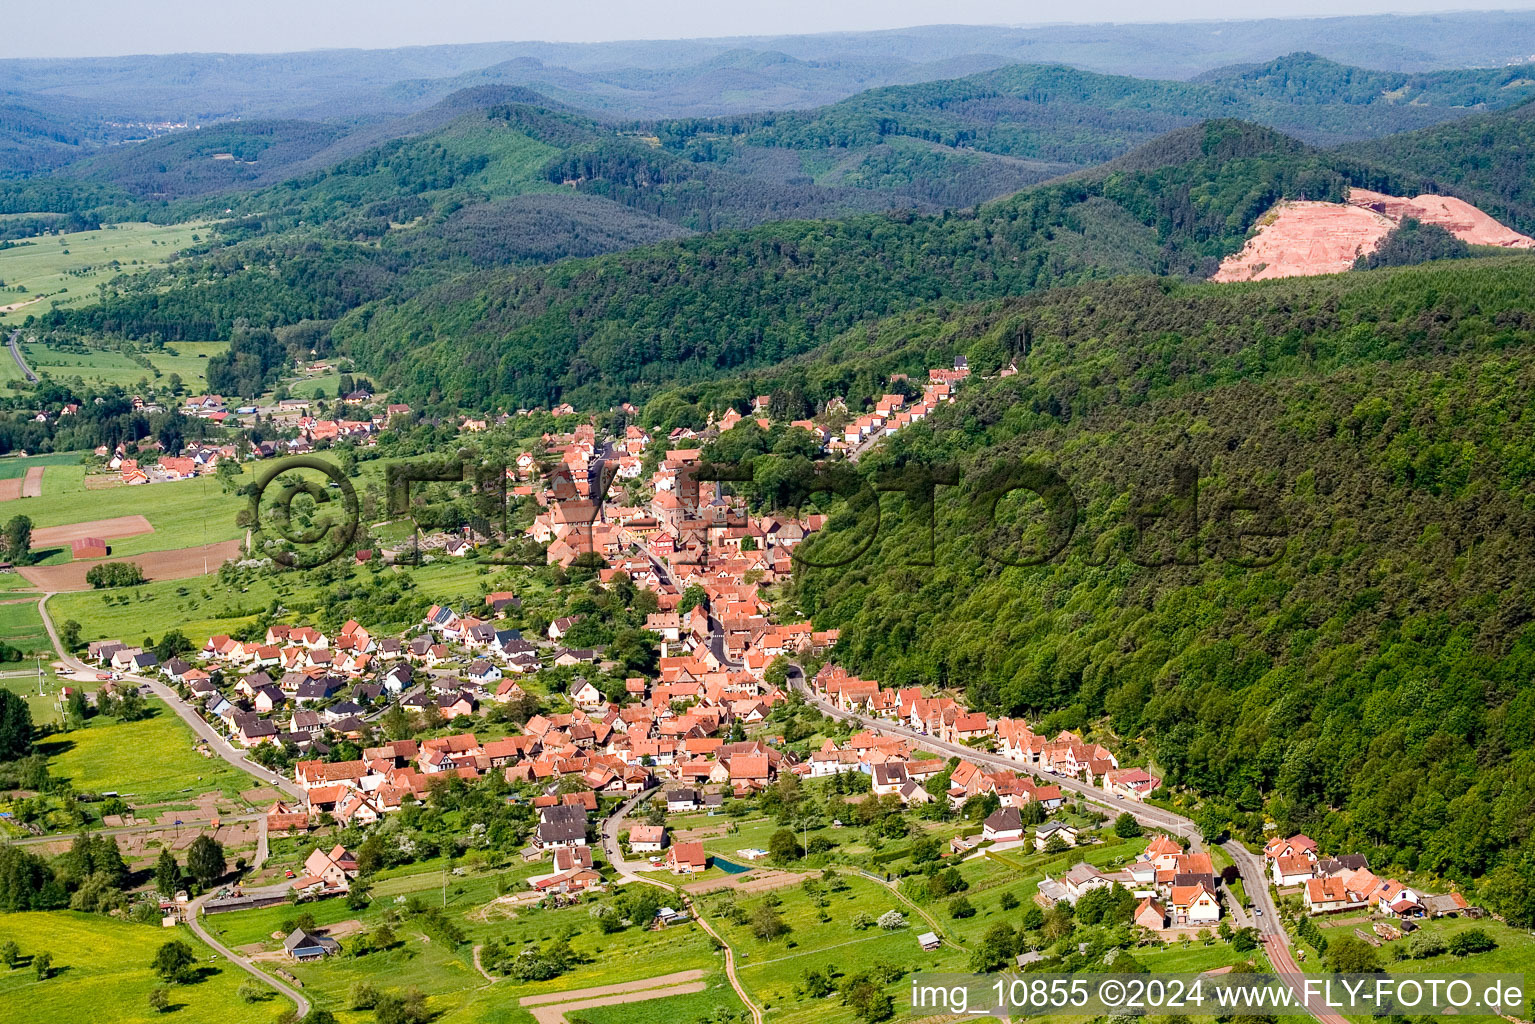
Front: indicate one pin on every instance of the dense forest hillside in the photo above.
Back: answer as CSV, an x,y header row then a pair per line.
x,y
626,324
1362,678
924,136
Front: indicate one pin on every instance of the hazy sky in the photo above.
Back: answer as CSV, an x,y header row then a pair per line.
x,y
73,28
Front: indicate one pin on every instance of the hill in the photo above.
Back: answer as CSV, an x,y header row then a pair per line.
x,y
1484,159
717,304
1360,674
944,142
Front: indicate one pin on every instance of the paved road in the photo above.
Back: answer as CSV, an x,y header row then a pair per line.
x,y
194,921
1275,939
216,743
14,343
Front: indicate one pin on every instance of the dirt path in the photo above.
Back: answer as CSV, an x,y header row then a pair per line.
x,y
481,967
32,486
607,990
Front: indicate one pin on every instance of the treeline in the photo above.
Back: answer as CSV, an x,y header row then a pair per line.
x,y
104,417
1361,673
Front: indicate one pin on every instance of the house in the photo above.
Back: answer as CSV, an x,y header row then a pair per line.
x,y
1194,904
585,695
561,825
1003,826
647,838
1291,869
334,869
1150,914
1082,879
889,777
1043,833
301,946
928,941
687,859
680,801
1325,895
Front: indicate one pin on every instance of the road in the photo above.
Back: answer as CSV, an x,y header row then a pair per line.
x,y
14,341
216,743
1275,939
194,921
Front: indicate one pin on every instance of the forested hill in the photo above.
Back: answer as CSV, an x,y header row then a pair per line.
x,y
1486,158
1371,687
927,134
629,323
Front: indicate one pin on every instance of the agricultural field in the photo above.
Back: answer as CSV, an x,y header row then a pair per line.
x,y
103,367
53,271
102,973
149,761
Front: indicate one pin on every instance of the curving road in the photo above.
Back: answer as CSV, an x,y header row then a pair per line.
x,y
235,758
1275,939
194,921
216,743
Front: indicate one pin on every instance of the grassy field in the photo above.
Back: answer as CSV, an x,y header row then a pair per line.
x,y
12,468
189,360
149,761
22,627
103,975
202,606
64,270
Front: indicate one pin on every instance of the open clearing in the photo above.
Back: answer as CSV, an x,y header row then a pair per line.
x,y
104,529
32,484
148,761
181,564
64,270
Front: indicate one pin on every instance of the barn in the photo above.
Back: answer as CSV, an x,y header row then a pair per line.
x,y
88,547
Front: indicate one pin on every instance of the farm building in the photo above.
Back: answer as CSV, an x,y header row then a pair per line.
x,y
88,547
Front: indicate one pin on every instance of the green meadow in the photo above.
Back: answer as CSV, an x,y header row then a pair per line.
x,y
148,761
65,270
102,974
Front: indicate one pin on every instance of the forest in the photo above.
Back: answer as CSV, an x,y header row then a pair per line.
x,y
1294,566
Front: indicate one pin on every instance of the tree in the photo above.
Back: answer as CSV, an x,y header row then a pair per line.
x,y
1243,940
205,860
402,1008
15,727
250,992
167,874
1126,827
1008,901
42,964
783,845
766,924
362,996
1056,843
173,962
1349,955
159,998
18,540
1471,941
10,953
69,634
960,908
114,574
891,920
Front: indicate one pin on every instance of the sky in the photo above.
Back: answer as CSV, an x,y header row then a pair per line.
x,y
81,28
